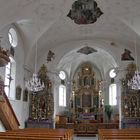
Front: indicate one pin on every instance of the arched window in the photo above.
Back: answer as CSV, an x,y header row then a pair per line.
x,y
13,39
62,75
113,94
9,82
112,73
62,95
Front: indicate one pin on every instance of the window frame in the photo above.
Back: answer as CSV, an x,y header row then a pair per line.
x,y
62,75
13,37
62,96
7,79
112,73
113,94
10,77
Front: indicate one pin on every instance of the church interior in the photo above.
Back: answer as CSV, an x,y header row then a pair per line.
x,y
83,83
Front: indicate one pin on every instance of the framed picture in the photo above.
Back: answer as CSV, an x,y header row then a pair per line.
x,y
25,95
18,92
86,100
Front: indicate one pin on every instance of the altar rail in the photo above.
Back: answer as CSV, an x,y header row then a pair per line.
x,y
131,123
39,124
88,128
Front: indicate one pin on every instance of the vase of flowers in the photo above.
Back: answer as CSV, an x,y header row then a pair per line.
x,y
108,111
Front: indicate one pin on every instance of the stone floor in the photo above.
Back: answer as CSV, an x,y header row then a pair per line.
x,y
85,138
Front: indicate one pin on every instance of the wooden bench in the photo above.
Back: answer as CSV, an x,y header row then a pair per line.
x,y
108,134
67,133
30,136
25,138
48,134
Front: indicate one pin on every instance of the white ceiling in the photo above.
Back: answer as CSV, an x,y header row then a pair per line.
x,y
46,21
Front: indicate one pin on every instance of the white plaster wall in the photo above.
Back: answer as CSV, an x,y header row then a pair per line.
x,y
20,108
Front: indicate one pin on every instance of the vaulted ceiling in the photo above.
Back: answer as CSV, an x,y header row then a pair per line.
x,y
46,22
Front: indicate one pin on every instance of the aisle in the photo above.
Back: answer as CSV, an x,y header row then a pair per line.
x,y
85,138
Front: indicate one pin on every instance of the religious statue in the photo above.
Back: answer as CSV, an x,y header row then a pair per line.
x,y
50,56
127,55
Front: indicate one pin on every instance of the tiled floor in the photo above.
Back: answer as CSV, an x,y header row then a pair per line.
x,y
85,138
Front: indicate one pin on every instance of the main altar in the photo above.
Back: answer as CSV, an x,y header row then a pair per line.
x,y
87,105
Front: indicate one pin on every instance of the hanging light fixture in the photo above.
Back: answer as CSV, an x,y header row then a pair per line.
x,y
34,84
134,83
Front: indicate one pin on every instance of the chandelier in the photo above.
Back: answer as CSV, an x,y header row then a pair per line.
x,y
134,83
34,84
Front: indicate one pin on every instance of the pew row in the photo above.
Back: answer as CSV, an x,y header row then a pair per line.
x,y
48,134
119,134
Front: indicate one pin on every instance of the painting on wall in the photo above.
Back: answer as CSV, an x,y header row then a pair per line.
x,y
25,95
86,50
85,12
18,92
86,100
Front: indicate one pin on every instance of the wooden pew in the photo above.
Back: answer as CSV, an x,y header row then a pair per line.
x,y
108,134
66,133
29,136
124,134
25,138
51,134
62,134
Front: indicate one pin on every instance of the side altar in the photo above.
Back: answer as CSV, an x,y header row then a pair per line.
x,y
130,101
41,108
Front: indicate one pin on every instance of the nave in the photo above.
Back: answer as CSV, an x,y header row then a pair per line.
x,y
85,138
70,64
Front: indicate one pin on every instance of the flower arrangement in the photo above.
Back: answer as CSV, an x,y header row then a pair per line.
x,y
108,111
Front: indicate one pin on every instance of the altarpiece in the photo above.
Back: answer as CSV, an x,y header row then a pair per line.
x,y
130,101
41,107
86,100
